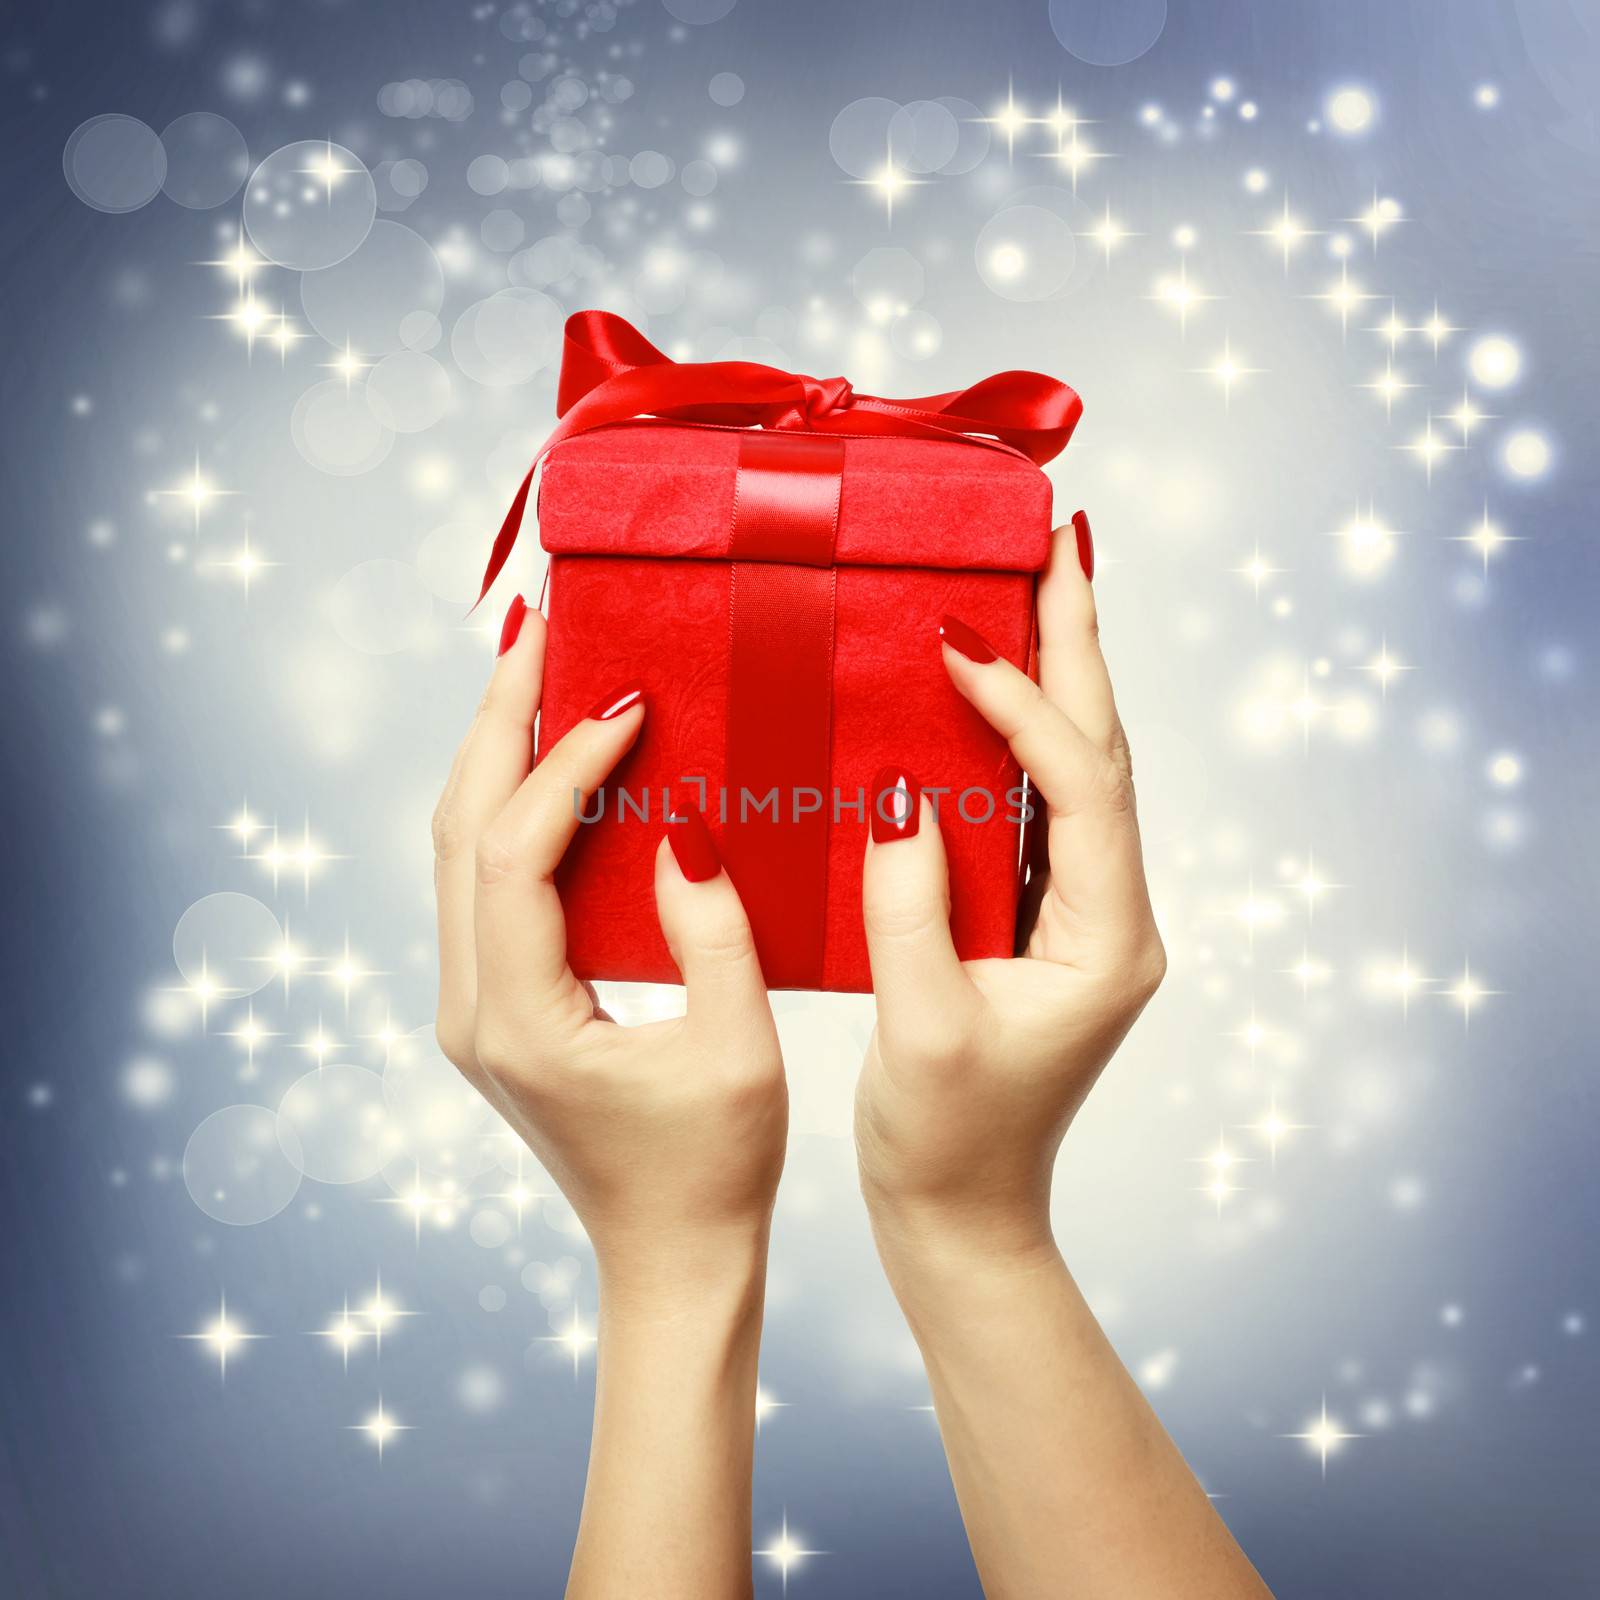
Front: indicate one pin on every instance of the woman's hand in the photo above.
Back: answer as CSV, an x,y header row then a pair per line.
x,y
667,1139
1066,1481
976,1069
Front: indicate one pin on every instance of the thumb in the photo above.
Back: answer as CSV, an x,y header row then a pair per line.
x,y
708,932
922,989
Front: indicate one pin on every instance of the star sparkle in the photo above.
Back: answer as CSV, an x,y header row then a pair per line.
x,y
1467,416
344,1333
766,1404
1109,233
890,181
347,973
378,1312
305,854
346,364
328,170
1436,329
1467,993
1226,371
197,492
1428,447
1486,537
1272,1127
249,1034
1257,570
1405,980
1344,296
245,564
1180,296
1324,1436
1388,384
1220,1187
241,263
576,1338
380,1426
1368,543
1008,120
1385,667
1287,232
786,1552
223,1335
1378,218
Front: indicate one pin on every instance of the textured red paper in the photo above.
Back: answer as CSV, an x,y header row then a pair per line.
x,y
638,520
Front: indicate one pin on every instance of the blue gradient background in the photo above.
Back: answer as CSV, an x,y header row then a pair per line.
x,y
1439,1165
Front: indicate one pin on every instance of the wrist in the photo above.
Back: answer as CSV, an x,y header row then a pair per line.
x,y
935,1255
701,1280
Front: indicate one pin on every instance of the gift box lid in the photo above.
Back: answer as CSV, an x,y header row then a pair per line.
x,y
667,489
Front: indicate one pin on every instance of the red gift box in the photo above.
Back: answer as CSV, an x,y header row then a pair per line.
x,y
777,590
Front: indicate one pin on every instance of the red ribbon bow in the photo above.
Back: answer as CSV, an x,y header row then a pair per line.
x,y
611,373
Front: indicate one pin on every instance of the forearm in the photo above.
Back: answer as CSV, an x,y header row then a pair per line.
x,y
1067,1482
666,1509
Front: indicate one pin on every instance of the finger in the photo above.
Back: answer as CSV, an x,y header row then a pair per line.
x,y
1092,838
709,935
519,930
1072,669
924,994
493,759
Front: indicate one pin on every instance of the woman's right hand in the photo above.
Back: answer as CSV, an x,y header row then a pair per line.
x,y
667,1139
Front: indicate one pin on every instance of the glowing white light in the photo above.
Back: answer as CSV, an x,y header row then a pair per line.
x,y
1495,362
223,1335
1486,538
1010,119
1527,454
766,1404
1257,570
1351,110
785,1552
1505,770
380,1427
1007,262
1220,1187
1486,96
1368,544
576,1338
1405,980
1466,992
1287,231
1324,1436
1108,233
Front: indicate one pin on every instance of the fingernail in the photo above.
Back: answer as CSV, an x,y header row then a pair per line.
x,y
897,801
967,641
1080,526
614,704
692,846
512,626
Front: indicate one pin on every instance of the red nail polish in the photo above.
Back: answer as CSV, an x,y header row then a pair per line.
x,y
896,801
967,641
512,626
692,846
1080,526
614,704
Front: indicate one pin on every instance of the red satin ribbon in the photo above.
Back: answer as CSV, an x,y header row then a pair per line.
x,y
780,696
611,373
